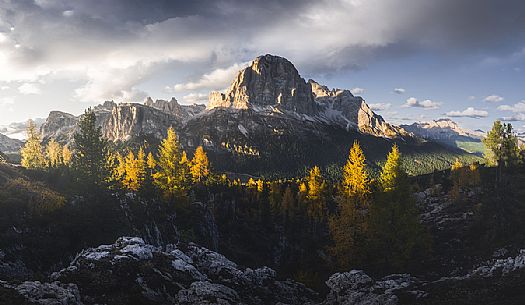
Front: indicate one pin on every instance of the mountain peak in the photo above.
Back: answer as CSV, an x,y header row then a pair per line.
x,y
269,81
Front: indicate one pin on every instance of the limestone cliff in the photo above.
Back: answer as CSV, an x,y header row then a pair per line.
x,y
268,81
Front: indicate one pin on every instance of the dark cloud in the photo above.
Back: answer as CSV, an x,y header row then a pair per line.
x,y
320,36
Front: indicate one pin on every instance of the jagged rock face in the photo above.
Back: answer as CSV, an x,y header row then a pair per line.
x,y
124,121
59,125
133,272
135,120
8,145
174,108
343,108
268,81
273,82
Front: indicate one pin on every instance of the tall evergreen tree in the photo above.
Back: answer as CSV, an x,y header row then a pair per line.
x,y
91,150
169,176
396,238
502,145
33,153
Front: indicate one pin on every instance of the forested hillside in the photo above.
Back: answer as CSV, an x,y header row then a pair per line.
x,y
65,199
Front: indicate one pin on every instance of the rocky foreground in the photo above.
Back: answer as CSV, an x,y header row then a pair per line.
x,y
133,272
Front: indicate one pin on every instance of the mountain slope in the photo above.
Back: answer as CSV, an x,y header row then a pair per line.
x,y
8,145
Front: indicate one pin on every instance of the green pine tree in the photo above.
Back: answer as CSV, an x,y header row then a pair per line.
x,y
91,150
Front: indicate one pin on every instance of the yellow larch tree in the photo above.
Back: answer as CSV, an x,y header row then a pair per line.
x,y
315,183
391,171
199,167
135,171
355,178
53,153
67,155
32,153
348,227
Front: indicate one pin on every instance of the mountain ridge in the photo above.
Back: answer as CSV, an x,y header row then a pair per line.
x,y
270,120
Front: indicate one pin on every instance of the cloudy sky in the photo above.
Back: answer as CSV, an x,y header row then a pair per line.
x,y
412,60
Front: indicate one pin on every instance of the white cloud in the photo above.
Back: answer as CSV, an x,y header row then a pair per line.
x,y
493,99
514,118
8,100
379,106
470,112
471,97
399,90
357,91
3,37
518,107
215,80
195,98
29,88
114,84
4,88
68,13
427,104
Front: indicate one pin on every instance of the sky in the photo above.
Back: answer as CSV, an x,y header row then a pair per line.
x,y
411,60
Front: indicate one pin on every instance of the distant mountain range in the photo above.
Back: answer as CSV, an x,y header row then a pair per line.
x,y
8,145
269,120
448,132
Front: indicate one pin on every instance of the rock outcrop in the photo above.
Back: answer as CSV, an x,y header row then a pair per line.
x,y
357,288
497,281
133,272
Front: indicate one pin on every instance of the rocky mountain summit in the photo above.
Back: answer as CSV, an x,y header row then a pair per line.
x,y
272,83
